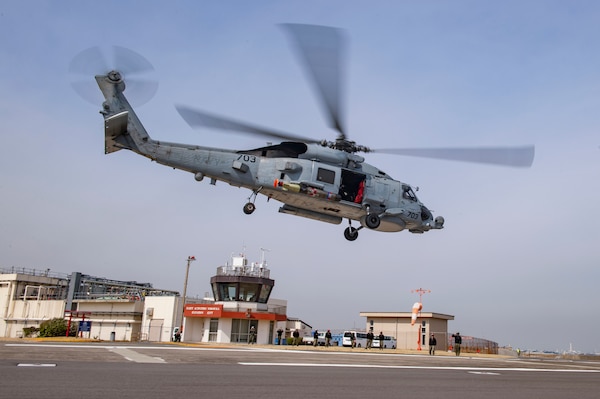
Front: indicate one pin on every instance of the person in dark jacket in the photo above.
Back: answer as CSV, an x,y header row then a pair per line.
x,y
370,337
381,340
457,343
432,344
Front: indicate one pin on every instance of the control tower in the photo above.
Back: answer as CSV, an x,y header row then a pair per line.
x,y
241,310
242,282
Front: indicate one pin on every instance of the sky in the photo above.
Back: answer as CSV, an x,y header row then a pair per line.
x,y
517,262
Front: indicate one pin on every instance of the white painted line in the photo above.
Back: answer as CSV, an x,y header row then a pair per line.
x,y
483,373
36,365
379,366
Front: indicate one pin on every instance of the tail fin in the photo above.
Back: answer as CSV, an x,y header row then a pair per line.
x,y
122,128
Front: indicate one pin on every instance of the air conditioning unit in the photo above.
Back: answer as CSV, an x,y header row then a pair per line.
x,y
149,312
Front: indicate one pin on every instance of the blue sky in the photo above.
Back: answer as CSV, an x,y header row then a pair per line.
x,y
518,260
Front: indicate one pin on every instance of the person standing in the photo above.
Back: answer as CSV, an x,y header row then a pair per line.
x,y
457,343
370,337
328,338
432,344
353,339
316,338
279,334
252,339
296,336
381,340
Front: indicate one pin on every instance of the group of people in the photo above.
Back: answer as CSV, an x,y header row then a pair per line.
x,y
370,338
316,338
456,347
296,340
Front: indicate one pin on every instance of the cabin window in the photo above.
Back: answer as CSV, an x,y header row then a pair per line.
x,y
326,176
408,193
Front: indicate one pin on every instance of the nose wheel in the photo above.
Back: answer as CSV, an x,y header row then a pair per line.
x,y
372,220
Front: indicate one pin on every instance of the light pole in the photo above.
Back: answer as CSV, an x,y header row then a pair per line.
x,y
190,259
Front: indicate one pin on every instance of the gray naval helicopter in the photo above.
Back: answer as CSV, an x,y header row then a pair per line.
x,y
316,179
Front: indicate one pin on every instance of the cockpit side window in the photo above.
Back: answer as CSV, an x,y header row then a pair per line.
x,y
408,193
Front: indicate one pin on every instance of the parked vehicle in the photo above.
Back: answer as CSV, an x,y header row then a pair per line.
x,y
311,340
388,342
361,338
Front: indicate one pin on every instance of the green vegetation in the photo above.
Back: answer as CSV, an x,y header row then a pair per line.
x,y
56,327
29,332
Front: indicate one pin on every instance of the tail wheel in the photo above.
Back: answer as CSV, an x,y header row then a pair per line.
x,y
350,233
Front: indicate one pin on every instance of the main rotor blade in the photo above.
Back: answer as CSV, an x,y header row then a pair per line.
x,y
505,156
320,49
196,118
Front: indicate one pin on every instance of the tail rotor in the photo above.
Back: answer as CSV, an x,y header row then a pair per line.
x,y
137,72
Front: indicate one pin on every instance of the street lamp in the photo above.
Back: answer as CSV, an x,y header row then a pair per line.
x,y
190,259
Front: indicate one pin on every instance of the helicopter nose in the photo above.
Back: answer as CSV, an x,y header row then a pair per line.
x,y
439,222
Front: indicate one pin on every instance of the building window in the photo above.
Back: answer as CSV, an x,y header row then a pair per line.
x,y
264,293
248,292
226,292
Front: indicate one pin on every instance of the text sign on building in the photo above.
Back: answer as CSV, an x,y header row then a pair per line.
x,y
199,310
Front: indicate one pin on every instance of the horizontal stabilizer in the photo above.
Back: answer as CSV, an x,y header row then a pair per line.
x,y
114,127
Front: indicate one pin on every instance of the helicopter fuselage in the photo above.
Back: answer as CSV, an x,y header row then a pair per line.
x,y
310,180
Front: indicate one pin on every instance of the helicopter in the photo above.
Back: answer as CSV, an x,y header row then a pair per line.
x,y
323,180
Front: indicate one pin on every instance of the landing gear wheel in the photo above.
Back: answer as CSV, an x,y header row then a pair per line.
x,y
249,208
372,221
350,233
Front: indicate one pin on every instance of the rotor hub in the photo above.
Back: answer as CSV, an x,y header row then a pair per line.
x,y
114,76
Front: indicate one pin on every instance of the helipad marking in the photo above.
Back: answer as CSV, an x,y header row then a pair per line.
x,y
134,356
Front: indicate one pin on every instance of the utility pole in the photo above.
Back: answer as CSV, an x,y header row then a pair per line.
x,y
190,259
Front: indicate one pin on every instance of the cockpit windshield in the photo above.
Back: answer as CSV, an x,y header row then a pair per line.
x,y
408,193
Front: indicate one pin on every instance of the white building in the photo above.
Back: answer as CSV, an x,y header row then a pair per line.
x,y
113,310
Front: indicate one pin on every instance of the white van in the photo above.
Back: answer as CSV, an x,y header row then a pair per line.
x,y
361,338
388,342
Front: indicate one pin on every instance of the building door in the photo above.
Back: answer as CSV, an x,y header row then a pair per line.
x,y
271,331
213,330
155,330
240,329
